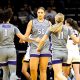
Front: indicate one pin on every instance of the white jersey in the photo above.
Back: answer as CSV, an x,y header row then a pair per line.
x,y
70,44
73,50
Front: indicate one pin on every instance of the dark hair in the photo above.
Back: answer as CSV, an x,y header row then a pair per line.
x,y
70,21
73,23
41,8
7,14
1,15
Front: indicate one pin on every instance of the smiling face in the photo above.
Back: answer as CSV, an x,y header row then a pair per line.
x,y
40,13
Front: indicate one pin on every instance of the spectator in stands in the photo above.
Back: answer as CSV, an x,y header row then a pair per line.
x,y
50,14
23,15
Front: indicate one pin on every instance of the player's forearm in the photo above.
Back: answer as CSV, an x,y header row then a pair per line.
x,y
42,42
27,39
21,36
24,38
40,45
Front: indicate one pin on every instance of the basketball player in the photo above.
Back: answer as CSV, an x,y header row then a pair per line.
x,y
59,40
73,50
38,27
7,47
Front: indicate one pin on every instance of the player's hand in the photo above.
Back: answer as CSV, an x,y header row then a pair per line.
x,y
21,41
38,50
37,39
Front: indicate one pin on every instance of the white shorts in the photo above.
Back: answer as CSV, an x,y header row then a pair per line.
x,y
27,55
73,56
73,53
